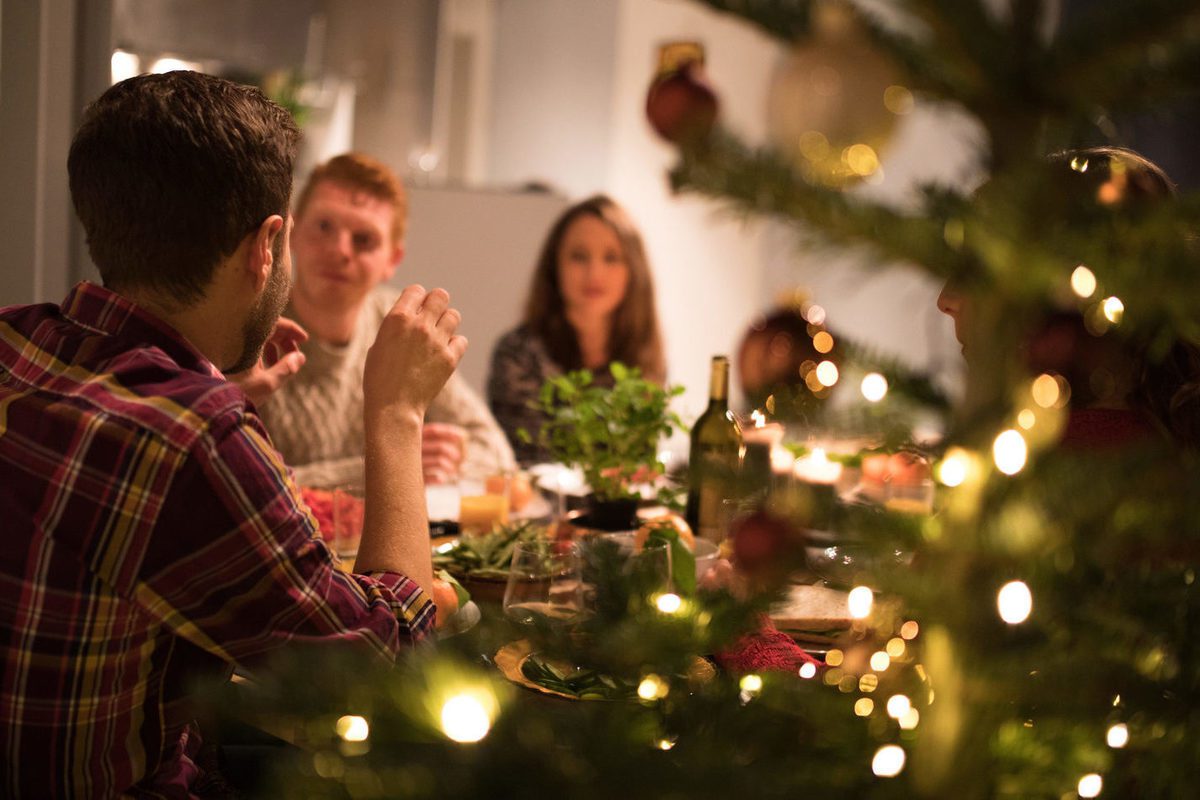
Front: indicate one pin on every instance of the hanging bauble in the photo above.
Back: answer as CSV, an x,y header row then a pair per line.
x,y
681,104
833,101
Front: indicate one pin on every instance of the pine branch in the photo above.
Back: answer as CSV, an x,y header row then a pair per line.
x,y
786,20
761,182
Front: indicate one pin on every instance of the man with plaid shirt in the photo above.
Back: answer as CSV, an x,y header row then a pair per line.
x,y
152,533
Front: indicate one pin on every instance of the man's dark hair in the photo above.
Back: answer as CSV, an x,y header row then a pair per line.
x,y
170,172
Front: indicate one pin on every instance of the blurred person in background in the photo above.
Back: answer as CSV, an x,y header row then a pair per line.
x,y
591,302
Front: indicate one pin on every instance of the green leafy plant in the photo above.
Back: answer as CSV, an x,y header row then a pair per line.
x,y
611,434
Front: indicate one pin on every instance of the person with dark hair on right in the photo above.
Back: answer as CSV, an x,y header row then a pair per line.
x,y
1118,393
591,302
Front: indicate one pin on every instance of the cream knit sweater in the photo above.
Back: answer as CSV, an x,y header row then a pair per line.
x,y
316,418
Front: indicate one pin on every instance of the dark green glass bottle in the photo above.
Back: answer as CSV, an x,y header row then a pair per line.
x,y
713,458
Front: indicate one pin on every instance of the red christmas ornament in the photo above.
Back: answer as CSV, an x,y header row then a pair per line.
x,y
765,543
681,105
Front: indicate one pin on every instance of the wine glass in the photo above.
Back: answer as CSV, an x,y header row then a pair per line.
x,y
649,567
544,584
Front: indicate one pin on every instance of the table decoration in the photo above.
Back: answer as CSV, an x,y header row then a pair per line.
x,y
610,434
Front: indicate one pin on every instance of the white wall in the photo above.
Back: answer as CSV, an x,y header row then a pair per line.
x,y
480,246
37,113
552,94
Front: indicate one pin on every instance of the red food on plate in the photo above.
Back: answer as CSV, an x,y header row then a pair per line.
x,y
339,515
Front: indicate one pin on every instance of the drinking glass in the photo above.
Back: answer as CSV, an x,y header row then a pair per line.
x,y
544,583
649,567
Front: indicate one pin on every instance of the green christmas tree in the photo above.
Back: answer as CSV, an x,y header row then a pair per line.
x,y
1041,639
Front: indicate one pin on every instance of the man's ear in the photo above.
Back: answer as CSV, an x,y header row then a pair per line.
x,y
262,254
397,257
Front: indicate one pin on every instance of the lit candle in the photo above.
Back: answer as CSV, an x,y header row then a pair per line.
x,y
760,441
816,468
816,476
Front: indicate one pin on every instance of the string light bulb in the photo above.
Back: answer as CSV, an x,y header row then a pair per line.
x,y
874,387
1090,785
888,761
1014,602
1010,452
860,600
352,728
1083,282
465,719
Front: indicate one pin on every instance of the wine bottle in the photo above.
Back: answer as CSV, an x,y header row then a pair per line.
x,y
713,458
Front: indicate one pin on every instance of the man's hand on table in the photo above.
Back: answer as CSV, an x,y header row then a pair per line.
x,y
281,359
443,447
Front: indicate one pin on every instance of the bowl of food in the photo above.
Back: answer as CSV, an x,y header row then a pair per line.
x,y
481,563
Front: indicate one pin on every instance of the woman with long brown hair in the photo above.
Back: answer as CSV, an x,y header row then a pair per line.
x,y
591,302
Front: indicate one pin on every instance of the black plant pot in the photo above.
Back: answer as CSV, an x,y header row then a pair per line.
x,y
610,515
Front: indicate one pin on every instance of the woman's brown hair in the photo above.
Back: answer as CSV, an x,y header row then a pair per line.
x,y
635,339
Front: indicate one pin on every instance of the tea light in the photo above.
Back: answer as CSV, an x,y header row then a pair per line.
x,y
760,442
817,468
818,476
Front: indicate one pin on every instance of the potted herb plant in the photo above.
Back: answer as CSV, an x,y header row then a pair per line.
x,y
611,434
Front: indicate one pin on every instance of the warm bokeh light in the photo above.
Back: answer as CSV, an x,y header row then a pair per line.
x,y
1026,419
834,658
910,719
823,342
898,99
1117,736
1083,281
864,706
1090,785
815,315
895,647
874,387
868,683
1009,452
888,761
352,728
465,719
1014,602
898,705
827,373
751,683
953,469
1045,390
880,661
909,630
860,600
652,687
808,670
862,159
1079,164
1114,309
665,743
668,603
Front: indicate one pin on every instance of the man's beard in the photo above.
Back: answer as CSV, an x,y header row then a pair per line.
x,y
264,315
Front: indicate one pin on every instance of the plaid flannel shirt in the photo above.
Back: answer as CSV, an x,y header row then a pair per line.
x,y
151,533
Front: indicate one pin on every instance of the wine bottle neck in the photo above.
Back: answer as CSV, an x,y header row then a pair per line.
x,y
718,388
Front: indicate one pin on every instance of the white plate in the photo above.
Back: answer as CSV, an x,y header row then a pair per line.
x,y
556,479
